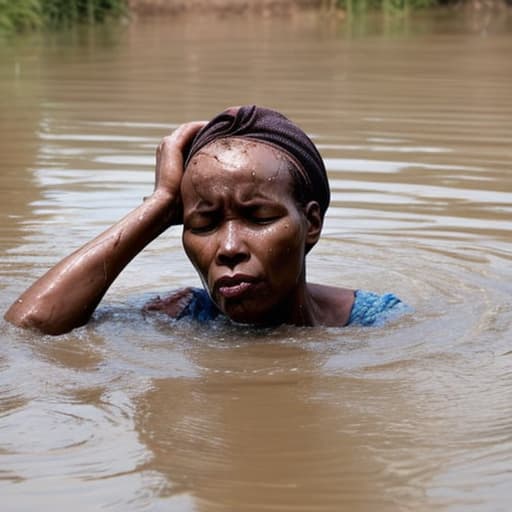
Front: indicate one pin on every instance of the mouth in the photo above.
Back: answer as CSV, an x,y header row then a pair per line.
x,y
235,287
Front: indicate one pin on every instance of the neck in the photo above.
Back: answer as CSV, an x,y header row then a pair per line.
x,y
298,309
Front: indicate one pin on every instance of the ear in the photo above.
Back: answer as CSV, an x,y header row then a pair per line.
x,y
314,224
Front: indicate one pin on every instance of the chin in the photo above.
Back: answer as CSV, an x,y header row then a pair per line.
x,y
248,317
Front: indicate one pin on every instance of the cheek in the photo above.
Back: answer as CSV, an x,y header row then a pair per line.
x,y
284,244
196,249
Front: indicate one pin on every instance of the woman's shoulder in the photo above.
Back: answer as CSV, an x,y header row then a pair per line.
x,y
374,309
185,302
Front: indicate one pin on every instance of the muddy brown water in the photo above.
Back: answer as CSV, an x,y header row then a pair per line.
x,y
414,121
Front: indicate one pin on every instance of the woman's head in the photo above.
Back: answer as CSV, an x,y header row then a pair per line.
x,y
268,126
249,222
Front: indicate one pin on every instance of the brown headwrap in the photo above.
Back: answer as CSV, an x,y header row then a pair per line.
x,y
271,127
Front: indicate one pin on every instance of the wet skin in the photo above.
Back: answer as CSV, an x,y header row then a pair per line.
x,y
245,233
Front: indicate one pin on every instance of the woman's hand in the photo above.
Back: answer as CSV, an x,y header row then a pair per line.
x,y
169,163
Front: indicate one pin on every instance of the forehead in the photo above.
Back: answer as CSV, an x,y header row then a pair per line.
x,y
239,164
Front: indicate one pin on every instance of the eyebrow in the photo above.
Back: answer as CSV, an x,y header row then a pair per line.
x,y
203,207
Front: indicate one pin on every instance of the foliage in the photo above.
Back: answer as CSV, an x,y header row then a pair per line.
x,y
59,12
26,14
387,6
20,14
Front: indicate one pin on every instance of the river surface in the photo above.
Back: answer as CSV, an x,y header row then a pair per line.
x,y
132,412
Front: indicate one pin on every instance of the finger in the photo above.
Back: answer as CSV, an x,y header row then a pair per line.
x,y
171,148
180,136
185,132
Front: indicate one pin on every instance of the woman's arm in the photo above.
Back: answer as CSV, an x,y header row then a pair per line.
x,y
67,295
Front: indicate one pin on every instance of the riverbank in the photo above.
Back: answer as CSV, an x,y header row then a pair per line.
x,y
271,7
265,7
481,11
42,14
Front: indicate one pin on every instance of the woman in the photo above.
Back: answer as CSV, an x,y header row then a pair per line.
x,y
251,191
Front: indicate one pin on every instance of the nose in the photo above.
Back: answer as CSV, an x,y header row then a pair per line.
x,y
232,248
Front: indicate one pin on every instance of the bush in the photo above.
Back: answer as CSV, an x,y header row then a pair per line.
x,y
384,5
67,12
20,14
29,14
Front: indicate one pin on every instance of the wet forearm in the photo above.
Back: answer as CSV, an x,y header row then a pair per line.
x,y
66,296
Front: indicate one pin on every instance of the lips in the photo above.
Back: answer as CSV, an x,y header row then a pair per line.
x,y
233,287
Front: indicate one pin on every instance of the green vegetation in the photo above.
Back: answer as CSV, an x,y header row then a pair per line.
x,y
18,15
386,6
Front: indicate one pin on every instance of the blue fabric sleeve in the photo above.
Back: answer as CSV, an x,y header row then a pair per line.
x,y
200,307
373,309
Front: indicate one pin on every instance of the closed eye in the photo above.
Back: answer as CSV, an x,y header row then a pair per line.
x,y
202,223
263,220
263,214
202,229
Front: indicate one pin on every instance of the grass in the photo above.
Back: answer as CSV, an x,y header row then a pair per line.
x,y
19,15
352,7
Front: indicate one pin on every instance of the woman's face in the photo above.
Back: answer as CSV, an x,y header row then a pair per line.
x,y
243,231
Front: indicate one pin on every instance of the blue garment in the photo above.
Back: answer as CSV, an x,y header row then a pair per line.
x,y
369,308
200,307
373,309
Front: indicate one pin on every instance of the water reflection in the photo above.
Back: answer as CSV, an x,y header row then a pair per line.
x,y
264,442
